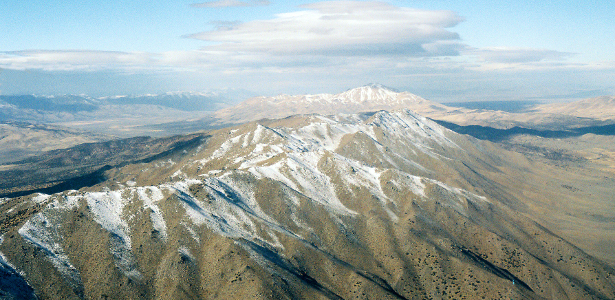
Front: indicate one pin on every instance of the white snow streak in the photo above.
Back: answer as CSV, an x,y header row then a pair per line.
x,y
289,156
150,195
108,210
40,198
43,233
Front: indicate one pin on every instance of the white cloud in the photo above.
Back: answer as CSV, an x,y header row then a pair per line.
x,y
344,28
328,42
230,3
196,60
521,59
319,48
521,55
246,62
74,60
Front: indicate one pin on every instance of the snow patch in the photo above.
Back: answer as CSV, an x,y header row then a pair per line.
x,y
192,232
408,126
179,174
40,198
150,195
42,231
108,210
185,252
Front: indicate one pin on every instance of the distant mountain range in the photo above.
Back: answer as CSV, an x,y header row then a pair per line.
x,y
185,112
228,107
122,116
31,124
590,112
65,103
601,108
185,101
367,98
19,140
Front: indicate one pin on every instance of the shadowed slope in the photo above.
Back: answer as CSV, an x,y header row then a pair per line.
x,y
386,205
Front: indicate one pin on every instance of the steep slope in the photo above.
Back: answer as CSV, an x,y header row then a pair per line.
x,y
363,99
386,205
61,169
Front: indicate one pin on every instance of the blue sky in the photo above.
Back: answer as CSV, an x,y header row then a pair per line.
x,y
442,50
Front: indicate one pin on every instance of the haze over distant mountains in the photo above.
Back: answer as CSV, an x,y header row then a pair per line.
x,y
602,108
363,99
185,112
229,107
185,101
335,196
377,97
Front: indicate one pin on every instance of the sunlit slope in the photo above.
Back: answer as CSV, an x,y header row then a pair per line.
x,y
368,98
386,205
601,108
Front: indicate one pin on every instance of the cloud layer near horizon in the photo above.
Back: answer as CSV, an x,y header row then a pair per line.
x,y
367,41
316,36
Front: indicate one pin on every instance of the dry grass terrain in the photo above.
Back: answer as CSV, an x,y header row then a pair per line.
x,y
373,206
20,140
376,205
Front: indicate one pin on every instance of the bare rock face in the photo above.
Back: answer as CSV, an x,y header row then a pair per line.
x,y
385,205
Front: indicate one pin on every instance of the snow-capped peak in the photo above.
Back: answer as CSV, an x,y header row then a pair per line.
x,y
374,86
369,98
372,92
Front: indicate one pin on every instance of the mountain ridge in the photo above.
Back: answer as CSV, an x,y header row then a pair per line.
x,y
367,98
601,108
374,205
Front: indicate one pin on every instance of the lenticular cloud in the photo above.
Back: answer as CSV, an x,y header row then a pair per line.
x,y
344,28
